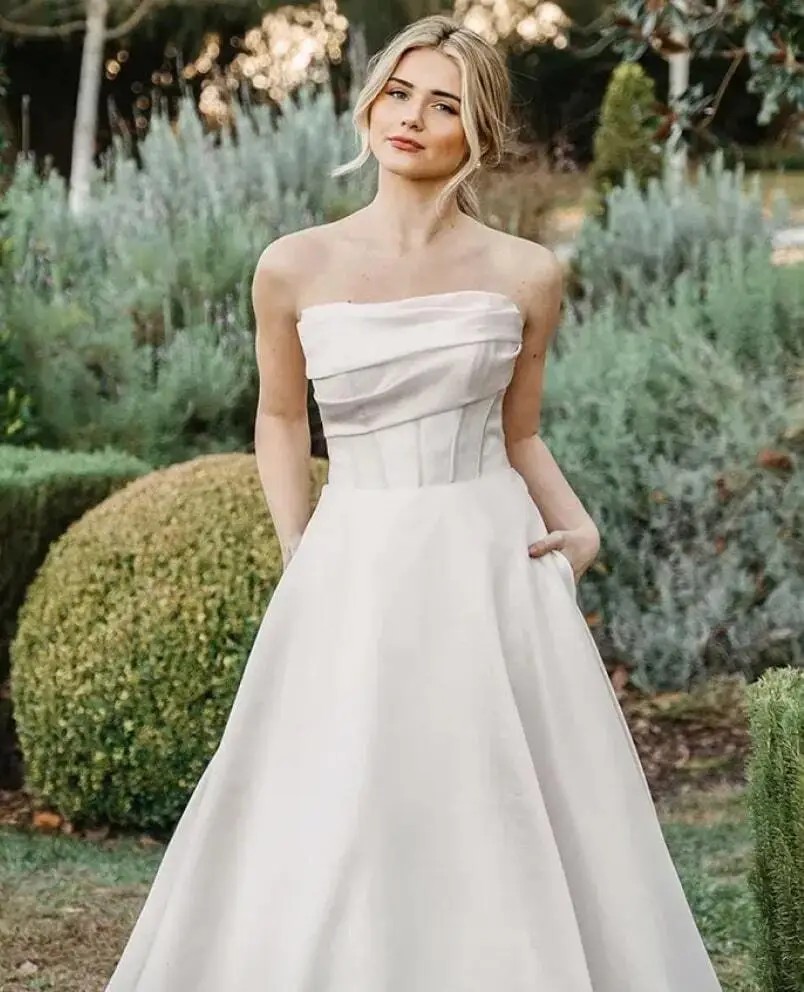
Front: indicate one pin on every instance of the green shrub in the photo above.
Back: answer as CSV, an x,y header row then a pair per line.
x,y
17,418
134,320
649,238
17,415
133,638
776,810
691,469
625,141
41,494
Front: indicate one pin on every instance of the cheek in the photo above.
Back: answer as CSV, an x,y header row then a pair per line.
x,y
449,136
381,113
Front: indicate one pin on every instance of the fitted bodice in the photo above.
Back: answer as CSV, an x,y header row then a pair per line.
x,y
410,391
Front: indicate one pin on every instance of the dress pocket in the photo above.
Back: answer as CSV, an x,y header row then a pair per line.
x,y
565,566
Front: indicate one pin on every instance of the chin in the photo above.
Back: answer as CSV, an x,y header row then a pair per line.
x,y
410,167
408,171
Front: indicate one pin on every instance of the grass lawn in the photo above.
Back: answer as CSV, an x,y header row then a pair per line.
x,y
69,903
791,184
710,840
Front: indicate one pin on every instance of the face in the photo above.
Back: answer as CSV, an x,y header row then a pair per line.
x,y
420,102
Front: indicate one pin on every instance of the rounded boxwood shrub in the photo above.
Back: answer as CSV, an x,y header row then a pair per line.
x,y
133,638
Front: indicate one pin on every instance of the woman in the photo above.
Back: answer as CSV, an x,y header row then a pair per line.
x,y
425,783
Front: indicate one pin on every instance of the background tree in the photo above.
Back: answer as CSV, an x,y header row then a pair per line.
x,y
100,21
768,36
626,138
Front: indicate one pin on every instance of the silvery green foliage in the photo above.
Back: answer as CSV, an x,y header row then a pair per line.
x,y
647,239
659,426
136,315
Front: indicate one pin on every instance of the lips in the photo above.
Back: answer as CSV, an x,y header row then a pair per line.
x,y
408,144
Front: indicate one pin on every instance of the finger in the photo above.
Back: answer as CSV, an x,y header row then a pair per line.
x,y
554,541
540,548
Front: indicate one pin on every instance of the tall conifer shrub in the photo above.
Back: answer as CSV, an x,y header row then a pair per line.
x,y
776,809
625,139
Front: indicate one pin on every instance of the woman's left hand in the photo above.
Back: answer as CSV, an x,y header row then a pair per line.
x,y
579,546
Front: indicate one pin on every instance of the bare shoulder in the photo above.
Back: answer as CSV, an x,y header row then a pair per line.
x,y
532,267
284,268
282,265
536,279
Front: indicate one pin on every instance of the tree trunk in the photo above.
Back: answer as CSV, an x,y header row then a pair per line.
x,y
679,80
86,113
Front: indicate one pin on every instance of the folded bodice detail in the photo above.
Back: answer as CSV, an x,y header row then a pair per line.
x,y
410,391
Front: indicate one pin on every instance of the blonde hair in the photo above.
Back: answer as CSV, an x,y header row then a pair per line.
x,y
485,96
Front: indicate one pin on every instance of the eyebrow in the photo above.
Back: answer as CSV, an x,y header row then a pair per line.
x,y
404,82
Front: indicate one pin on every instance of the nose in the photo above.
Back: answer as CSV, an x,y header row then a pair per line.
x,y
413,117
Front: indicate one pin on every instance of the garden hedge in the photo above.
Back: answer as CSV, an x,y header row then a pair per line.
x,y
41,493
134,635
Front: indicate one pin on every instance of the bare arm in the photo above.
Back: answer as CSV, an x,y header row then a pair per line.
x,y
557,501
281,429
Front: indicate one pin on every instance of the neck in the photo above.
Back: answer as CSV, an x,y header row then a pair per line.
x,y
405,212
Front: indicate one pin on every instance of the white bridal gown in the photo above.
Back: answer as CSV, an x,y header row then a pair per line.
x,y
425,783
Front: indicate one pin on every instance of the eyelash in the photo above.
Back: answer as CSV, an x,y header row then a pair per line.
x,y
404,93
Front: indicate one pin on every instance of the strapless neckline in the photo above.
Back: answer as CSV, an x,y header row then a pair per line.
x,y
420,298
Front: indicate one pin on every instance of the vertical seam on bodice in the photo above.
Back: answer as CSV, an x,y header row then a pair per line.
x,y
480,447
454,443
377,438
419,459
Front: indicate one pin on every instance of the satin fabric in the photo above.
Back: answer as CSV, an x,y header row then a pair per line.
x,y
426,783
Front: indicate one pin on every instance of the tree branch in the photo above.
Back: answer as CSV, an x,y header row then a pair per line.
x,y
41,30
26,9
133,19
735,63
26,30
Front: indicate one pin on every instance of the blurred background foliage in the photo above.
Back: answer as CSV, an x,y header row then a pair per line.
x,y
218,49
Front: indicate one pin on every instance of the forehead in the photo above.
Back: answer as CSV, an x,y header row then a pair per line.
x,y
428,69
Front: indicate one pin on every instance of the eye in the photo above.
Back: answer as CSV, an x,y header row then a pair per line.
x,y
447,107
396,93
